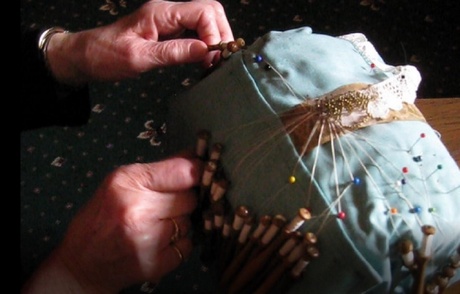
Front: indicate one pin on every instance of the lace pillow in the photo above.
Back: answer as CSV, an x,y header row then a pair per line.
x,y
322,175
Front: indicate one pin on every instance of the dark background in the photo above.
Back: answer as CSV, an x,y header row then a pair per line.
x,y
61,167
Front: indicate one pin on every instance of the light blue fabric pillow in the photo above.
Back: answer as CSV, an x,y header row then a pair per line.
x,y
388,179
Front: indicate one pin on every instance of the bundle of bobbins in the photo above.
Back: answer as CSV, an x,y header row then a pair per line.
x,y
264,256
268,254
416,261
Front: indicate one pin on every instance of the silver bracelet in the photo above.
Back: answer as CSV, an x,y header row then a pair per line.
x,y
44,40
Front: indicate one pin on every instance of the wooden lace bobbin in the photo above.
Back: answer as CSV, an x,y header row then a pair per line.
x,y
241,213
217,204
448,272
407,253
291,242
205,186
229,244
302,215
422,260
206,181
207,217
453,265
278,221
254,265
431,288
218,212
241,257
202,142
216,151
296,254
240,43
203,197
299,268
215,155
224,240
294,239
218,189
232,47
455,260
296,272
225,48
213,187
207,254
441,280
226,53
309,239
226,232
244,235
428,235
214,47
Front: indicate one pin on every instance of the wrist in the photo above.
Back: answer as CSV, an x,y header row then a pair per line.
x,y
55,276
62,57
44,40
52,276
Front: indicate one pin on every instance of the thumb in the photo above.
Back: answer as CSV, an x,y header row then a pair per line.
x,y
173,174
177,51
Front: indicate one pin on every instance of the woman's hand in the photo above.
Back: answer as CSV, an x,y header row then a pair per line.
x,y
127,232
146,39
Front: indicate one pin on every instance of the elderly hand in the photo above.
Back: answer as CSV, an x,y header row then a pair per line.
x,y
126,234
141,41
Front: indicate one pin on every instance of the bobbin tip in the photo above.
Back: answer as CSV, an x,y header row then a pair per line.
x,y
279,220
406,246
304,213
204,134
265,220
242,211
310,238
312,251
428,230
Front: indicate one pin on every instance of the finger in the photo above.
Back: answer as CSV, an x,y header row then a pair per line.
x,y
221,20
175,174
225,30
175,254
176,204
189,153
176,51
212,27
207,18
170,175
177,227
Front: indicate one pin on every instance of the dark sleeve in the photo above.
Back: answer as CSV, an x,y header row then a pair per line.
x,y
44,102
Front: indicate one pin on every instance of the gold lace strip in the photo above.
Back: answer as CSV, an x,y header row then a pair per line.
x,y
309,125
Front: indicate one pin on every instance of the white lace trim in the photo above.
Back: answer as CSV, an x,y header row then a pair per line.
x,y
392,92
400,86
367,50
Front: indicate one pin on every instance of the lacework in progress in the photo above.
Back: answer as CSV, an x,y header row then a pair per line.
x,y
264,253
269,254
